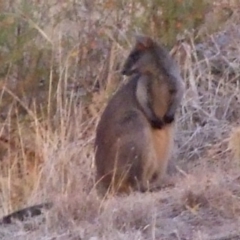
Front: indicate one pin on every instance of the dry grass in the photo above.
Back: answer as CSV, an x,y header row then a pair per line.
x,y
48,153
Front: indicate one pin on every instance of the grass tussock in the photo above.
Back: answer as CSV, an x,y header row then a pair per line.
x,y
60,64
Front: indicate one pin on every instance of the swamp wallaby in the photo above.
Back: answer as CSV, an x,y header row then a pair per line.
x,y
134,136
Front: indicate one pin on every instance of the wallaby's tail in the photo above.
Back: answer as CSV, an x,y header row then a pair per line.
x,y
24,213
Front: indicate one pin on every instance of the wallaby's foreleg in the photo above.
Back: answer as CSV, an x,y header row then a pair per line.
x,y
176,96
144,99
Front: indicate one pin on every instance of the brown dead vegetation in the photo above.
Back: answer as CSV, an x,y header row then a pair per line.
x,y
55,136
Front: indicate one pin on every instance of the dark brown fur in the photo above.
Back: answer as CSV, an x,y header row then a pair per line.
x,y
134,137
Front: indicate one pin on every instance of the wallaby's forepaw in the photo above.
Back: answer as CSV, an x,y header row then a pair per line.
x,y
157,124
168,118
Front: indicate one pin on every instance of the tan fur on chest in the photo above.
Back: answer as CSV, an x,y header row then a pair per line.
x,y
161,98
163,142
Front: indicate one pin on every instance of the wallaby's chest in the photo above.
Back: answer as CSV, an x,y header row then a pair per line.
x,y
160,96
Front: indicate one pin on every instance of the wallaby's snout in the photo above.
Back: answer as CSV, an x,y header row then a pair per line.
x,y
125,72
131,64
129,68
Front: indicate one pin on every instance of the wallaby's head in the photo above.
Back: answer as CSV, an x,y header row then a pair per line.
x,y
144,56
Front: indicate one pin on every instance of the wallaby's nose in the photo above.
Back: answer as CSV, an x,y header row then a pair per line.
x,y
124,72
128,72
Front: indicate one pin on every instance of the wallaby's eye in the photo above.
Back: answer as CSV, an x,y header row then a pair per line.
x,y
135,56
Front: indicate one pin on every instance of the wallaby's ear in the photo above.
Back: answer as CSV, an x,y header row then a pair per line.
x,y
143,42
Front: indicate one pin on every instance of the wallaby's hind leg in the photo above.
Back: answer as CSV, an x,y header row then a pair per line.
x,y
139,161
122,161
135,154
148,159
